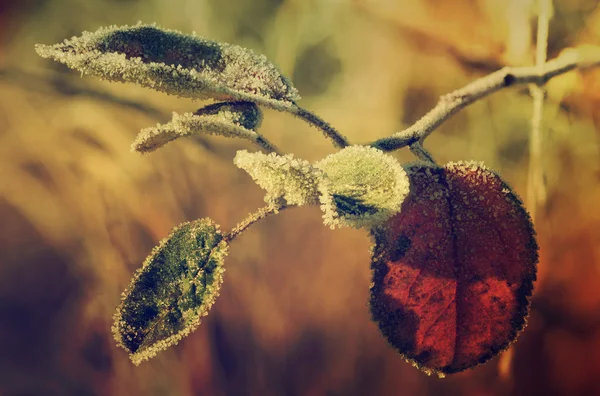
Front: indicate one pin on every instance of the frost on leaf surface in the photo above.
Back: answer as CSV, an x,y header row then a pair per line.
x,y
175,287
282,176
230,119
175,63
362,187
454,270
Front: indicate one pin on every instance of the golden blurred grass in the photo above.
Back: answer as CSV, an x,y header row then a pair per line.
x,y
79,211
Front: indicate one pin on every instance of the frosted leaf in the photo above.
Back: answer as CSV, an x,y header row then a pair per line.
x,y
175,63
230,119
294,180
174,289
362,187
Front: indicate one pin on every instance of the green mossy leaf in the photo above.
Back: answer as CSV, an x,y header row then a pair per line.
x,y
174,289
175,63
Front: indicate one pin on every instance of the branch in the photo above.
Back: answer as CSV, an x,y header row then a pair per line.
x,y
252,218
536,191
455,101
338,139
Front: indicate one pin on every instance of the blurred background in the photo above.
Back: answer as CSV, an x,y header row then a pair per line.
x,y
79,212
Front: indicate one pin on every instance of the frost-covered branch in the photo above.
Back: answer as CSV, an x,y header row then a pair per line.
x,y
312,119
455,101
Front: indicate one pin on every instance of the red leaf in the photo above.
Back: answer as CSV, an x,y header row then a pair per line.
x,y
454,270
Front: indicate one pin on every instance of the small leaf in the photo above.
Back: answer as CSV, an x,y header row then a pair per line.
x,y
454,270
362,187
176,286
175,63
230,119
282,176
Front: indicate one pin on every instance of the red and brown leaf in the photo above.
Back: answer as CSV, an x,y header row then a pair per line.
x,y
454,270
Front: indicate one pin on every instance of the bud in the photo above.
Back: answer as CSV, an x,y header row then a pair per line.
x,y
362,187
282,176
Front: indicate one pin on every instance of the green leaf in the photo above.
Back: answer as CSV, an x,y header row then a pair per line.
x,y
175,63
174,289
230,119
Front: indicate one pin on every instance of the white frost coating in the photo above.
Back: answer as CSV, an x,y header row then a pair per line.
x,y
294,180
362,187
224,123
178,64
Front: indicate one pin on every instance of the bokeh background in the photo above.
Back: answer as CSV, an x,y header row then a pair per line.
x,y
79,212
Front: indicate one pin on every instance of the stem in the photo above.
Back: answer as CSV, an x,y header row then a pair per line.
x,y
262,142
536,191
252,218
338,139
421,153
453,102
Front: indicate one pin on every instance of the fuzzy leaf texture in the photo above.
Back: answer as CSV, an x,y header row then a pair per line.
x,y
281,176
174,289
362,187
175,63
454,269
230,119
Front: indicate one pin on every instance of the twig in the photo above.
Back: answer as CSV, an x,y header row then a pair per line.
x,y
535,184
262,141
419,151
536,190
260,214
338,139
454,102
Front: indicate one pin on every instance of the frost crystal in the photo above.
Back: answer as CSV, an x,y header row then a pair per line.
x,y
230,119
175,63
284,177
362,187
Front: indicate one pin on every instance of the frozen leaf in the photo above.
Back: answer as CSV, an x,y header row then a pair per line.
x,y
175,63
231,119
454,270
174,289
362,187
294,180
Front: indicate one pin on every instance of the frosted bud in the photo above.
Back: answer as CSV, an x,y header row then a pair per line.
x,y
362,187
282,176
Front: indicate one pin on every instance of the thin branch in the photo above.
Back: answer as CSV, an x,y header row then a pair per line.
x,y
262,142
452,103
536,190
535,184
252,218
338,139
419,151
